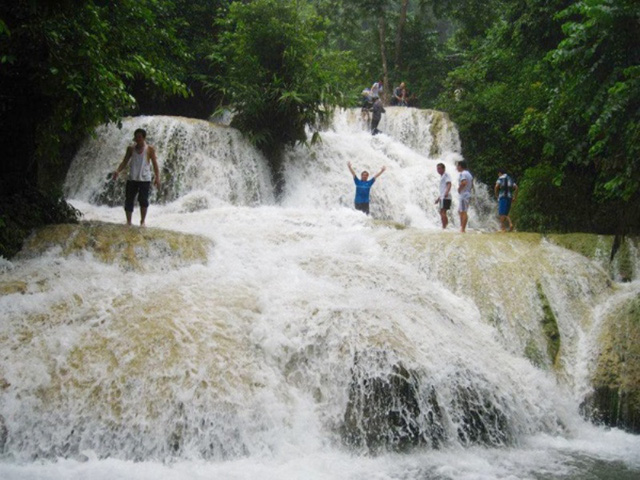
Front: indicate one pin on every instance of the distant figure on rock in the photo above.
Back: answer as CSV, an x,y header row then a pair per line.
x,y
363,187
465,182
367,104
141,157
506,191
378,110
444,199
399,98
377,89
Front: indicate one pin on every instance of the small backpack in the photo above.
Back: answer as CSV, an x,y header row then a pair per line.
x,y
506,185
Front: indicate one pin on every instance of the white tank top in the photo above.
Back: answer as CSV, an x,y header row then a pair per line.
x,y
140,166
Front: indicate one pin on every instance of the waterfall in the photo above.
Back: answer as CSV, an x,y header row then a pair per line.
x,y
240,336
207,164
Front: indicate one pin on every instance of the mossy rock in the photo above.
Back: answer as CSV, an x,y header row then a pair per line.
x,y
624,265
615,400
132,248
385,409
549,327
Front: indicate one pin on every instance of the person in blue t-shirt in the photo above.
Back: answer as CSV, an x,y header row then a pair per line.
x,y
363,187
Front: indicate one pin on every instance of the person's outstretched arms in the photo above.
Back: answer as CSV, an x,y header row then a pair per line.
x,y
353,173
380,172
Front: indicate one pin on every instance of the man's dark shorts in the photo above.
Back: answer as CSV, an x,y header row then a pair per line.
x,y
445,204
141,189
363,207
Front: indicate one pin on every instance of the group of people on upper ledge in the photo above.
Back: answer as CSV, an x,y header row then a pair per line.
x,y
505,190
372,102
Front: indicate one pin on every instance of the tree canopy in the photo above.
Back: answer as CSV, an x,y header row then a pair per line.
x,y
277,72
549,90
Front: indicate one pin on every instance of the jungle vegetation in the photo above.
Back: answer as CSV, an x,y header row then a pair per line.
x,y
549,89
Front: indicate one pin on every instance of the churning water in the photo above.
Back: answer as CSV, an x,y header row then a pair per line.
x,y
241,336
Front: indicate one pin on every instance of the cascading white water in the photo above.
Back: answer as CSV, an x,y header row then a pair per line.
x,y
314,341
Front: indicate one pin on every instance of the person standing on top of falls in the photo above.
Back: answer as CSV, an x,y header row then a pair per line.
x,y
363,187
444,200
378,110
465,182
506,191
399,98
140,157
377,89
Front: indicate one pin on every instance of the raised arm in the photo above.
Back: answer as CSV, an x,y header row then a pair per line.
x,y
353,173
380,172
123,164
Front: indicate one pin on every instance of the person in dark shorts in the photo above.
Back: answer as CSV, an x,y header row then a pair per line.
x,y
378,110
444,199
363,187
140,157
506,191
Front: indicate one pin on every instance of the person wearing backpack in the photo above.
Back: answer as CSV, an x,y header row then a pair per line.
x,y
506,191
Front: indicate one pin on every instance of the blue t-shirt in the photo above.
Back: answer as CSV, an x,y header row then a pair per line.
x,y
362,189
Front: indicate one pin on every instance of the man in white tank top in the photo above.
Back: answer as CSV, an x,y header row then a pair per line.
x,y
140,157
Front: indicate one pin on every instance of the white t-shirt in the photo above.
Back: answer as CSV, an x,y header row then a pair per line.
x,y
444,179
376,89
465,175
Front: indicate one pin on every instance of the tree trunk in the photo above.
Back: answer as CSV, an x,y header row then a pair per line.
x,y
401,22
383,55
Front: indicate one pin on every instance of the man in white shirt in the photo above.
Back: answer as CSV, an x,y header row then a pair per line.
x,y
141,158
465,183
444,199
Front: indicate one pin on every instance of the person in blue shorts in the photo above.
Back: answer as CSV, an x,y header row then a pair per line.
x,y
506,191
363,187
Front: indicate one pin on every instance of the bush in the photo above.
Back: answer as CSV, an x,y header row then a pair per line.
x,y
23,212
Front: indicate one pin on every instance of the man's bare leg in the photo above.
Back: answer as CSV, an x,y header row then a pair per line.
x,y
444,218
143,215
503,228
463,221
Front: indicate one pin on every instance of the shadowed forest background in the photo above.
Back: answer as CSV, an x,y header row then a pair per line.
x,y
547,89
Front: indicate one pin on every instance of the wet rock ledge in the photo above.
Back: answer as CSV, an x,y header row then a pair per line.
x,y
132,248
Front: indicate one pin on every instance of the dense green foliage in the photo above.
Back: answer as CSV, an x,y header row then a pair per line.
x,y
548,89
552,92
277,73
68,67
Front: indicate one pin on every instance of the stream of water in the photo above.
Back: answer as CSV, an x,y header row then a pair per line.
x,y
296,338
